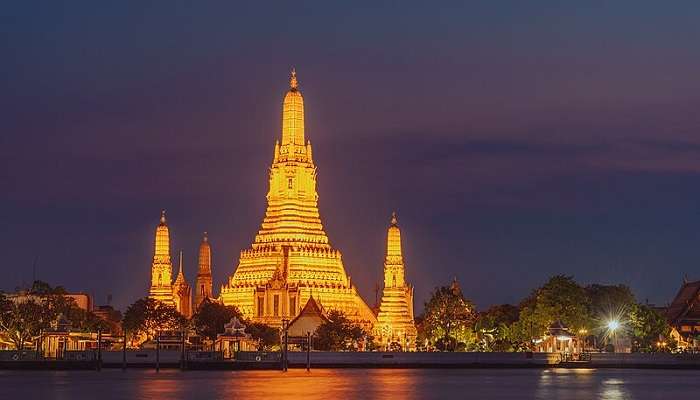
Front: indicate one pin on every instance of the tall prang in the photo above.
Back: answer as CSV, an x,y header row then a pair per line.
x,y
395,318
182,293
203,286
162,266
291,257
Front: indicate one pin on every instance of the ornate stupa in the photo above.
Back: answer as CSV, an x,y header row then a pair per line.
x,y
291,257
162,267
204,283
395,317
182,293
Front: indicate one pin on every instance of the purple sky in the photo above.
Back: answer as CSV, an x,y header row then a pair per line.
x,y
515,140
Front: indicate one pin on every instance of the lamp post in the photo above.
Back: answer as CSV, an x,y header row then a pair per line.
x,y
308,351
158,351
99,349
613,326
582,339
285,329
124,351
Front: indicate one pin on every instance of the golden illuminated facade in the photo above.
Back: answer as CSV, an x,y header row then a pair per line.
x,y
291,257
182,293
179,293
162,266
203,284
395,317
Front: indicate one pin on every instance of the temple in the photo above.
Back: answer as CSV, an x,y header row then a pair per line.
x,y
291,258
395,318
683,314
203,285
182,293
162,266
177,294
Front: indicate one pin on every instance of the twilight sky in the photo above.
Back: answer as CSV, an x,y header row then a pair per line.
x,y
515,139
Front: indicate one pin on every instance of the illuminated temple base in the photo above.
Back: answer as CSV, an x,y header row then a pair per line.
x,y
395,319
263,293
269,304
291,258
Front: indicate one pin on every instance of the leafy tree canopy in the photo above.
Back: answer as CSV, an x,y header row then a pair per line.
x,y
559,299
211,316
267,336
147,316
608,300
24,319
448,318
647,327
338,333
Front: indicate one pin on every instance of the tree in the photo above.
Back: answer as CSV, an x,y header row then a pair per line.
x,y
210,318
42,288
610,302
147,316
448,318
647,327
493,327
559,299
607,303
267,336
338,333
22,321
112,322
42,305
87,321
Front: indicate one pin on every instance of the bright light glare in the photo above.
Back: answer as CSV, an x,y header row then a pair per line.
x,y
613,325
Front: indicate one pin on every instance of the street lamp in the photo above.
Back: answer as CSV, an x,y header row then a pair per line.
x,y
285,332
613,326
582,338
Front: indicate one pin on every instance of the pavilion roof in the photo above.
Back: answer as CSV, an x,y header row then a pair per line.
x,y
311,308
686,304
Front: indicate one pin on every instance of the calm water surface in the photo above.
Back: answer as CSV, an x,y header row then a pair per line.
x,y
352,384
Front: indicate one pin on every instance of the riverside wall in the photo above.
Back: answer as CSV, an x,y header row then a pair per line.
x,y
321,359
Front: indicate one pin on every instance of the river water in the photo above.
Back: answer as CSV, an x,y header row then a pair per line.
x,y
337,384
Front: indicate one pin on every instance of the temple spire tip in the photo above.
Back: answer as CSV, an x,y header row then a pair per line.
x,y
293,83
162,216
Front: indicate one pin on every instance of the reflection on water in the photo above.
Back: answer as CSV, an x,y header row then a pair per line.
x,y
337,384
613,389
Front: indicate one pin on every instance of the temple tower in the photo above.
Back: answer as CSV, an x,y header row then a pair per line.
x,y
182,293
203,286
395,317
291,256
162,267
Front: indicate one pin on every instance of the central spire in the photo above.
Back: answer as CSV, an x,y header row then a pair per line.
x,y
293,79
293,116
162,238
393,242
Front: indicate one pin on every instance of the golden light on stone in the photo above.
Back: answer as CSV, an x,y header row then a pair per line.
x,y
291,258
162,267
182,293
395,317
203,285
162,288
